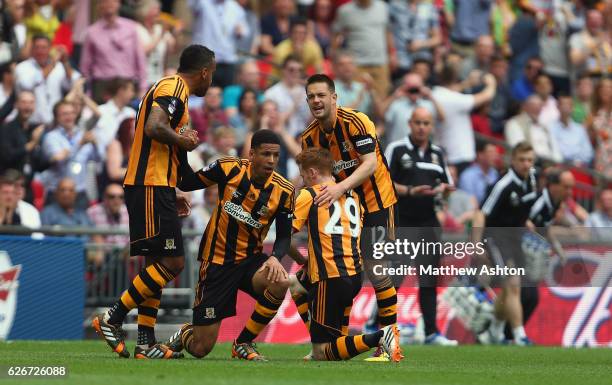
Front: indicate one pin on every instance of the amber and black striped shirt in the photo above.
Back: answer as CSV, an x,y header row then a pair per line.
x,y
333,234
354,135
153,163
244,212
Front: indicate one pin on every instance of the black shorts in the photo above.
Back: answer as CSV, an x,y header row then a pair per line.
x,y
217,289
378,226
504,246
328,302
155,228
303,279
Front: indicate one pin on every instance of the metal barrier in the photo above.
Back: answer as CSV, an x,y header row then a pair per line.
x,y
104,282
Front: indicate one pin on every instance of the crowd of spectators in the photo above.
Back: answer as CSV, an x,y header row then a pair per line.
x,y
492,72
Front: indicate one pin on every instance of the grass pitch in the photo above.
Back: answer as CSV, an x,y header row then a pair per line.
x,y
91,362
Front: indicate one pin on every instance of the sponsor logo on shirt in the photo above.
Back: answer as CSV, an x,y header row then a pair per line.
x,y
241,214
172,107
344,165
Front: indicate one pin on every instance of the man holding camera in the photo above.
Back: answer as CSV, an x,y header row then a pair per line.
x,y
399,106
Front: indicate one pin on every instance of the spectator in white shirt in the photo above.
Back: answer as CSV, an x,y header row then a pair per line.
x,y
48,76
113,112
544,88
219,25
571,137
455,133
526,127
27,214
30,217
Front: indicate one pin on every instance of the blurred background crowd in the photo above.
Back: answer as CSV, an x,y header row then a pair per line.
x,y
72,72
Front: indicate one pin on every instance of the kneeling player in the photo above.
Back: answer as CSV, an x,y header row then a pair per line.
x,y
335,265
251,196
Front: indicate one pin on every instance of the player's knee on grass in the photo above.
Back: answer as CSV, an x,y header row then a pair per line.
x,y
318,352
200,349
174,264
204,339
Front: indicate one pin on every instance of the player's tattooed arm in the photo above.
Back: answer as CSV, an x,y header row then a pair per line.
x,y
158,128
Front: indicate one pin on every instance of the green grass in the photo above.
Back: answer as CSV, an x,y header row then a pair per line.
x,y
90,362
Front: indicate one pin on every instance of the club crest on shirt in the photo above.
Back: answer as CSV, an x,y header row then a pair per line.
x,y
235,193
347,146
435,159
406,161
251,196
263,211
514,199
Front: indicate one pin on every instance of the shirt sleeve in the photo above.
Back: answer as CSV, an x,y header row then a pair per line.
x,y
302,207
513,133
494,199
212,174
465,102
51,146
167,97
283,226
363,134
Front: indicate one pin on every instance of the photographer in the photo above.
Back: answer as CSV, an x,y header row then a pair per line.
x,y
399,106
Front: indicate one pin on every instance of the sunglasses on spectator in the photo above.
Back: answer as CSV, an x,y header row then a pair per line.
x,y
114,196
414,90
294,69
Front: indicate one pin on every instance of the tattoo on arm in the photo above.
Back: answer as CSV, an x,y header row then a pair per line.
x,y
158,127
